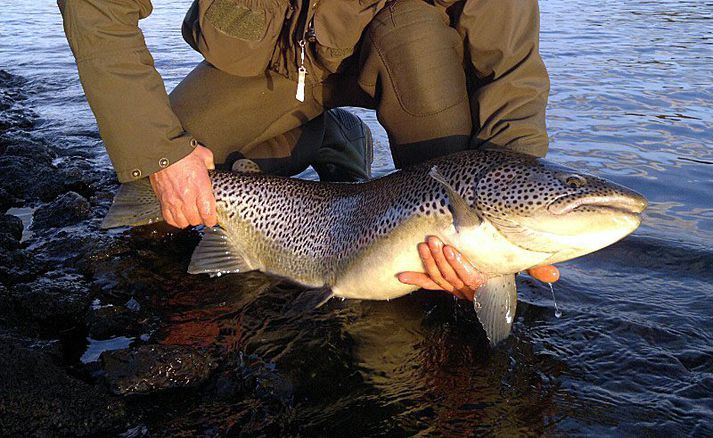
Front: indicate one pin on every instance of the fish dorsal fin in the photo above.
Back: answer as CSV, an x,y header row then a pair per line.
x,y
463,216
495,304
134,204
217,255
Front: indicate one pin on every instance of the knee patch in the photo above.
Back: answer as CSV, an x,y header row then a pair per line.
x,y
418,58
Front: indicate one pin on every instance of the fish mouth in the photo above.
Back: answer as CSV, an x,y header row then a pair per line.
x,y
633,204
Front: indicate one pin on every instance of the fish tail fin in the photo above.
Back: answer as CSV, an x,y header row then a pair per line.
x,y
495,305
134,204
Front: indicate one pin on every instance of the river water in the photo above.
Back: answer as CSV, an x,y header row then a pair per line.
x,y
632,354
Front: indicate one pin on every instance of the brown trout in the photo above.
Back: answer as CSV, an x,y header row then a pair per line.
x,y
505,212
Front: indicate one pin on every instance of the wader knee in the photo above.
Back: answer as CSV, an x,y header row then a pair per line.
x,y
412,64
337,144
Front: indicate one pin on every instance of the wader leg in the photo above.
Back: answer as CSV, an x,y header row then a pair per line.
x,y
249,117
260,119
411,64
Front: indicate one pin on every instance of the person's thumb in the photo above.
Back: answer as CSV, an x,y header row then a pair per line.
x,y
207,156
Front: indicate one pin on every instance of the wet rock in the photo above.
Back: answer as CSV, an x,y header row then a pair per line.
x,y
80,175
67,209
38,398
32,150
11,225
6,200
17,266
111,321
57,301
28,179
151,368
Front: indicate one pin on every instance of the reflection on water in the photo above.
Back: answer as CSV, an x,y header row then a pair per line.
x,y
631,100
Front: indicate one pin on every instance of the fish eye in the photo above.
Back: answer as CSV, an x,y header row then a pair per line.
x,y
575,181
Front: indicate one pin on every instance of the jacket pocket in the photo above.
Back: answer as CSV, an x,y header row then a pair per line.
x,y
239,36
338,28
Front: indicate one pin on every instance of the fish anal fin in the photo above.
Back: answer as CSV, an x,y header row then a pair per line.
x,y
217,255
463,215
495,304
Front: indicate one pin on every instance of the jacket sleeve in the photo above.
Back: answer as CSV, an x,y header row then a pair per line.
x,y
141,133
511,83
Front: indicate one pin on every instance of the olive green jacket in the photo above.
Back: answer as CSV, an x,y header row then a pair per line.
x,y
246,37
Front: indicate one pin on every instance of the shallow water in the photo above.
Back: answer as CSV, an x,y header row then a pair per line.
x,y
633,352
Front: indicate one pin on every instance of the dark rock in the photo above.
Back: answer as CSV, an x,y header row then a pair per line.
x,y
38,398
28,179
6,200
59,302
81,175
110,321
68,209
17,266
32,150
151,368
8,242
11,225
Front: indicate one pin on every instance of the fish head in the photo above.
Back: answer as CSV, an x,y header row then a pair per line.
x,y
544,207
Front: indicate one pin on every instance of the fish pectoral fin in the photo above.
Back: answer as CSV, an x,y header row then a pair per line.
x,y
495,304
216,255
134,204
463,215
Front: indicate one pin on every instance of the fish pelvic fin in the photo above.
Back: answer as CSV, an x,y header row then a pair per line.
x,y
216,255
310,300
495,304
134,204
463,216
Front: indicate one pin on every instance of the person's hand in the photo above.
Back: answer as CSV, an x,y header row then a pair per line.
x,y
185,191
449,270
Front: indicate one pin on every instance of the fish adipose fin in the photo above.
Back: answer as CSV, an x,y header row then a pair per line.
x,y
463,216
216,255
495,304
134,204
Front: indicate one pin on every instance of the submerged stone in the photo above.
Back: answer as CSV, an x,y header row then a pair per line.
x,y
151,368
58,302
38,398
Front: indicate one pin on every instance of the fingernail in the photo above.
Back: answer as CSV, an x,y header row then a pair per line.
x,y
448,251
435,242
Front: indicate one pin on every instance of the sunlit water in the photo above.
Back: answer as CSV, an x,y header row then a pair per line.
x,y
632,100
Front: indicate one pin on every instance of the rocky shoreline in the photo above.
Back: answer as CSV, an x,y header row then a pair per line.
x,y
70,294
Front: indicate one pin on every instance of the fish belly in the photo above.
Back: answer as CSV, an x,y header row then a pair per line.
x,y
372,274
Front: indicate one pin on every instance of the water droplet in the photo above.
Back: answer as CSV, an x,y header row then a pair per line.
x,y
558,312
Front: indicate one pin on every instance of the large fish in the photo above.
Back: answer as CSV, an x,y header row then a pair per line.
x,y
505,212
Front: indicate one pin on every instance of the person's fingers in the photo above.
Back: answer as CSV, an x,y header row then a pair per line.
x,y
546,274
431,268
418,279
207,157
444,267
206,209
179,219
191,213
463,268
168,217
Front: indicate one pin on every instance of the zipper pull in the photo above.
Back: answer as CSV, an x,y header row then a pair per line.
x,y
301,73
